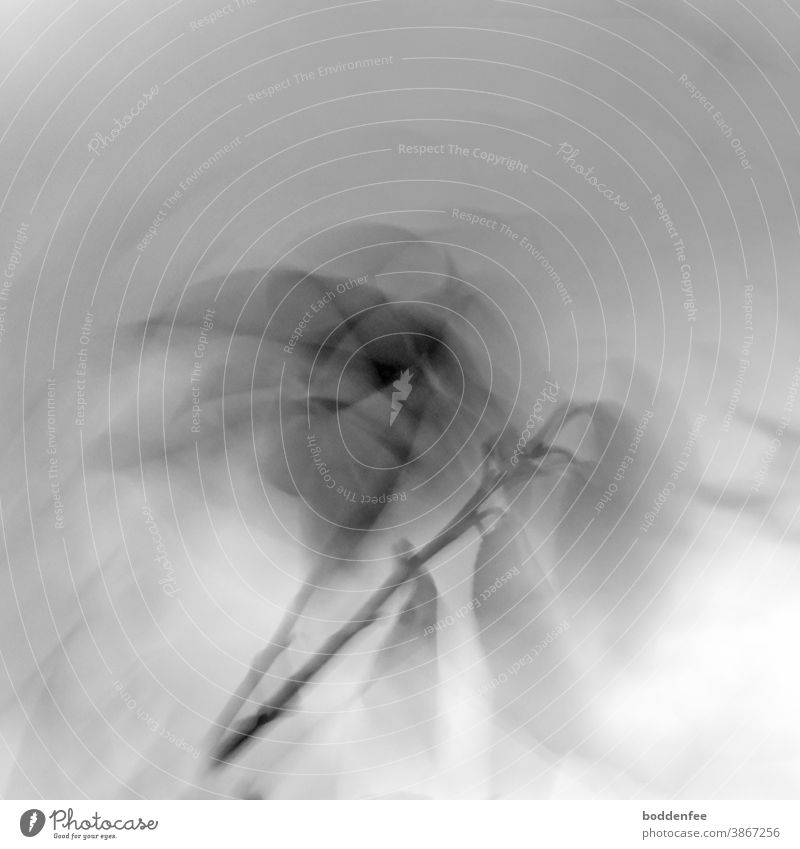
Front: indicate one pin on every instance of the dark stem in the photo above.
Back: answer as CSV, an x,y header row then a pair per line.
x,y
365,616
262,662
469,515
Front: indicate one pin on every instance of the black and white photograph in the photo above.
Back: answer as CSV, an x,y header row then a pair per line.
x,y
400,401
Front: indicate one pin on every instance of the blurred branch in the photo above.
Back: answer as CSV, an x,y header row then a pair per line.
x,y
364,617
470,515
262,662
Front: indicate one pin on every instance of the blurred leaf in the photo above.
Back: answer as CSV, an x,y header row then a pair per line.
x,y
558,633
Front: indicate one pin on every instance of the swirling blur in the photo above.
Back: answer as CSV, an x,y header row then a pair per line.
x,y
283,291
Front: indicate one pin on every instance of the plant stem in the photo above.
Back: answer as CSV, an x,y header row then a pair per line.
x,y
469,515
262,662
409,565
364,617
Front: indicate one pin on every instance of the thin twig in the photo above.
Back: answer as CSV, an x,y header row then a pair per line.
x,y
262,662
409,565
365,616
469,515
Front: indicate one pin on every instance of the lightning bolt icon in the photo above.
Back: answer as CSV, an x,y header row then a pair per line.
x,y
32,823
403,387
